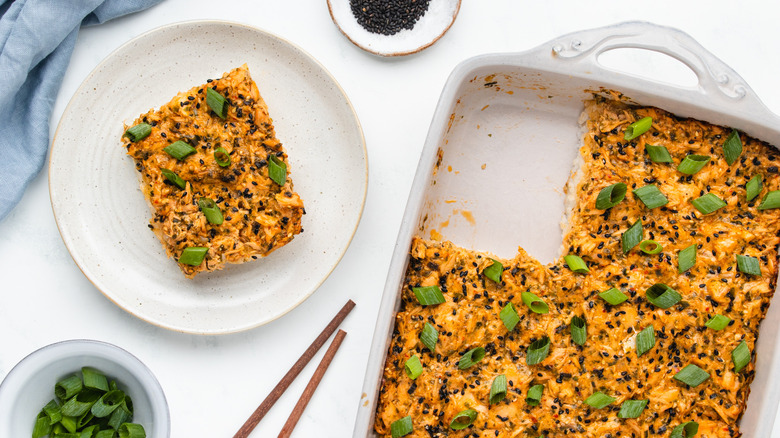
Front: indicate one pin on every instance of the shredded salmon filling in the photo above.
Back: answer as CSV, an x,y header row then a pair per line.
x,y
608,361
260,215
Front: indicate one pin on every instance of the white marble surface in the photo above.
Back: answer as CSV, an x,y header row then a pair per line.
x,y
214,383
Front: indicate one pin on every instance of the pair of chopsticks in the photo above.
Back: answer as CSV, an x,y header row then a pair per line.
x,y
296,369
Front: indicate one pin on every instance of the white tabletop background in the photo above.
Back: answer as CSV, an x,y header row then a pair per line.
x,y
214,382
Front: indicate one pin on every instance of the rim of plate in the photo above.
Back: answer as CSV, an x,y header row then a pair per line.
x,y
66,238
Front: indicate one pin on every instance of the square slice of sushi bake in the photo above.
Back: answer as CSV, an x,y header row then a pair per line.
x,y
215,175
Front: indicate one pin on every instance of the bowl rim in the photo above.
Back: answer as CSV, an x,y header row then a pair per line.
x,y
67,348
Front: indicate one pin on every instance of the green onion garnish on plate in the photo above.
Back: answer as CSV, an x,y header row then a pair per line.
x,y
463,419
222,157
638,128
534,395
692,375
692,164
401,427
718,322
494,271
740,356
537,351
658,154
193,255
753,187
650,247
611,196
732,147
579,331
651,196
632,408
613,296
471,357
632,236
708,203
428,295
536,304
599,400
138,132
748,265
686,258
413,367
216,102
429,336
662,296
685,430
509,316
277,170
576,264
210,210
771,200
498,389
645,340
179,150
173,178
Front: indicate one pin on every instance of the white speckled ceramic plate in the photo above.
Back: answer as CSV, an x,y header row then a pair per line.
x,y
103,216
436,21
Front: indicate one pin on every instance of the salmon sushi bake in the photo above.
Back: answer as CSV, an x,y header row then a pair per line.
x,y
215,175
645,326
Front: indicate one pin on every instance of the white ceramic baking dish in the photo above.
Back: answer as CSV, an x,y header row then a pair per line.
x,y
510,121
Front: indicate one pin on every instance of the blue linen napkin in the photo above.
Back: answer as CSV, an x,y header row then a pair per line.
x,y
36,42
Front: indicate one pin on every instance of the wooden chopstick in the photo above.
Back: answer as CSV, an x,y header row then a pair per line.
x,y
296,369
312,386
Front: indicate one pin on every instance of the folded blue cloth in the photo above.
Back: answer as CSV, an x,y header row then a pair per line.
x,y
36,42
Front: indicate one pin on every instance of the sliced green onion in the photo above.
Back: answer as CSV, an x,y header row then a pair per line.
x,y
613,296
740,356
210,210
611,196
428,295
708,203
138,132
71,424
498,389
105,433
662,296
692,375
718,322
471,357
692,164
599,400
89,432
685,430
686,258
84,420
509,316
536,304
651,196
463,419
413,367
638,128
106,404
650,247
632,236
579,331
216,102
632,408
429,336
753,187
122,414
172,177
771,200
68,387
537,351
131,430
494,271
749,265
53,412
645,340
277,170
576,264
42,426
658,154
79,404
222,157
402,427
732,147
179,150
193,255
94,379
534,396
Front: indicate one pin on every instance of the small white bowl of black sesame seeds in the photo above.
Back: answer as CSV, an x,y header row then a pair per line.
x,y
393,27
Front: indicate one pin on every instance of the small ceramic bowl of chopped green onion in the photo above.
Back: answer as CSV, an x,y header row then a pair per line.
x,y
82,388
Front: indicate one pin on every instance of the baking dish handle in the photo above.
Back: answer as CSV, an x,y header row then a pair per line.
x,y
715,78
